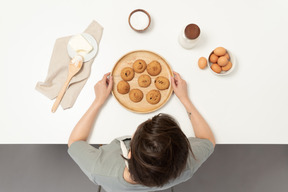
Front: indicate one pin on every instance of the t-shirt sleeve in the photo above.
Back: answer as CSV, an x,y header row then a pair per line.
x,y
85,156
202,149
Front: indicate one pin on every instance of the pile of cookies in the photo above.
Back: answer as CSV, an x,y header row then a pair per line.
x,y
136,94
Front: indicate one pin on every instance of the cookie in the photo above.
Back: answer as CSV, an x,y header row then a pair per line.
x,y
127,74
154,68
162,83
139,66
123,87
144,80
153,97
136,95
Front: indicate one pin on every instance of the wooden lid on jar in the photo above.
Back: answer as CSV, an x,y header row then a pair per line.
x,y
192,31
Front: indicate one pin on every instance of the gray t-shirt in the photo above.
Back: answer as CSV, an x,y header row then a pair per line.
x,y
105,166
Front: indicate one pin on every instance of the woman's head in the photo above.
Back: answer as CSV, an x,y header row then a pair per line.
x,y
159,151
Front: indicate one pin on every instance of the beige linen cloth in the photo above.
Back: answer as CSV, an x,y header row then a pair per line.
x,y
58,70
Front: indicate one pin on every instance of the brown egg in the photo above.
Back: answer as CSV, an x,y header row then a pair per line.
x,y
227,67
220,51
227,56
202,62
213,58
216,68
222,61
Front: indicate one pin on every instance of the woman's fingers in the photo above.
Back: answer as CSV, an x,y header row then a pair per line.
x,y
105,76
173,82
105,79
110,84
177,75
108,81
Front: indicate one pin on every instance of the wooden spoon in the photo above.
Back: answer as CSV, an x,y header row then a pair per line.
x,y
74,67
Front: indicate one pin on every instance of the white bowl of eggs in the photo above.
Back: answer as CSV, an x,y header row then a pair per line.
x,y
221,61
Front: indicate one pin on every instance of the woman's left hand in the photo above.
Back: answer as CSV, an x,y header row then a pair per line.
x,y
103,88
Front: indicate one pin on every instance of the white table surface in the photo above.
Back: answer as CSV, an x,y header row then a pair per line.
x,y
248,106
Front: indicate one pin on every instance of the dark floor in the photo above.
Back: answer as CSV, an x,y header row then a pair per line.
x,y
231,168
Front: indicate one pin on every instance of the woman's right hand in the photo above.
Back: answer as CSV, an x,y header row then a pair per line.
x,y
179,86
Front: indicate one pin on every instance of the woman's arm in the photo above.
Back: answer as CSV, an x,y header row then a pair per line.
x,y
82,129
200,126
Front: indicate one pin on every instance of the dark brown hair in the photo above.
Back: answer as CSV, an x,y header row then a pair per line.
x,y
159,151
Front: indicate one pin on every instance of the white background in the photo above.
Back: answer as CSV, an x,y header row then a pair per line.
x,y
248,106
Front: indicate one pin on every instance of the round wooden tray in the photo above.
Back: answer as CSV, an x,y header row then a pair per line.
x,y
127,61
